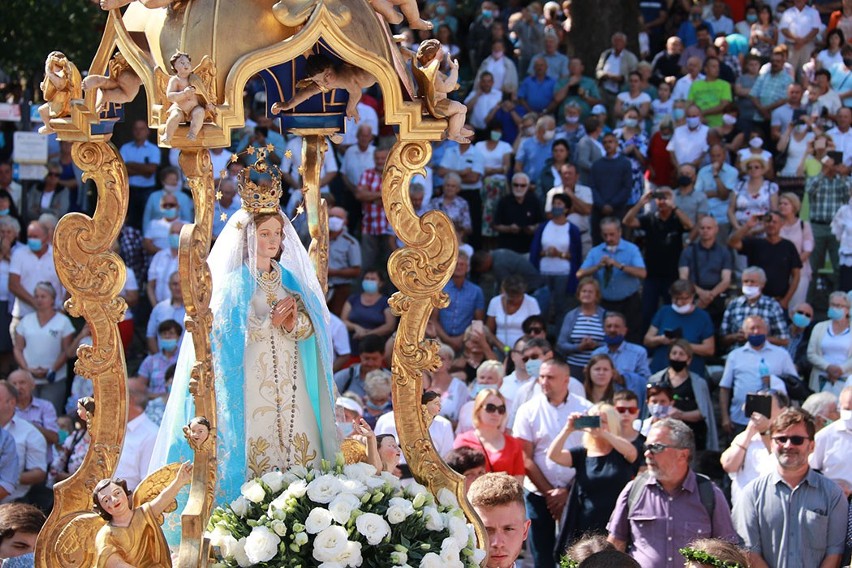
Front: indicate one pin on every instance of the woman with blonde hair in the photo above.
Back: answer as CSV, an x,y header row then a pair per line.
x,y
502,451
755,195
582,329
712,552
603,467
800,234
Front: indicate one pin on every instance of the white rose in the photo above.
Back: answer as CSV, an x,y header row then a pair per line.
x,y
434,520
450,552
323,488
415,488
458,531
402,503
217,535
299,471
318,520
353,486
351,555
300,539
297,489
478,556
431,560
240,506
391,479
240,554
332,565
279,527
395,515
359,471
261,544
373,527
330,544
227,546
274,480
341,507
374,482
398,557
253,491
447,498
419,501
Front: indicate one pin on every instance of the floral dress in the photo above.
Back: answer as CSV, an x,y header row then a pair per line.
x,y
637,169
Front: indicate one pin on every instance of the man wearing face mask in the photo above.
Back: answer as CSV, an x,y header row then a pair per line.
x,y
777,256
170,182
344,259
756,366
833,445
630,359
753,302
801,328
689,142
535,150
156,236
153,367
502,69
28,266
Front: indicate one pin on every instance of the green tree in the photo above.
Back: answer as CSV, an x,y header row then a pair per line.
x,y
33,28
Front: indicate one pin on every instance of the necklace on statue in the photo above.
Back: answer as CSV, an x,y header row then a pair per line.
x,y
269,283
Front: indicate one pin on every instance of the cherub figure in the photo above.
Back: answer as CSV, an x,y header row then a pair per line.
x,y
323,76
197,432
119,87
190,99
60,86
385,8
132,536
438,85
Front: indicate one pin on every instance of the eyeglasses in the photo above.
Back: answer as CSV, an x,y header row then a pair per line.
x,y
801,313
659,448
540,329
795,440
528,357
627,409
492,408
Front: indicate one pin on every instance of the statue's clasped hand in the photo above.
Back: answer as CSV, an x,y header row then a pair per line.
x,y
284,313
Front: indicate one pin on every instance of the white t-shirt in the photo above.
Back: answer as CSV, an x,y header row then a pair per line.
x,y
163,265
441,432
33,270
584,194
558,237
628,101
493,158
44,343
339,336
509,325
158,232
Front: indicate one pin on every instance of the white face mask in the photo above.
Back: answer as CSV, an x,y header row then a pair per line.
x,y
846,417
682,310
335,224
751,291
171,188
549,134
729,119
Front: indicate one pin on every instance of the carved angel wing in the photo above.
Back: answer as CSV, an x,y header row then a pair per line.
x,y
154,484
206,71
425,78
74,545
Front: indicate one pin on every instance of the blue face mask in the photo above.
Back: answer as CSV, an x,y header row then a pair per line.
x,y
659,410
35,244
801,320
4,212
373,406
533,367
167,344
678,113
477,388
169,213
613,341
63,435
440,10
346,429
557,211
835,314
757,340
751,18
487,14
370,286
174,240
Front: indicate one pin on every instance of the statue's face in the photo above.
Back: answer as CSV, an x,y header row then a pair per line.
x,y
198,432
113,499
183,67
269,235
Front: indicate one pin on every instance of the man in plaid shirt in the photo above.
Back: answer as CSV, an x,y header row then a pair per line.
x,y
828,192
377,238
754,303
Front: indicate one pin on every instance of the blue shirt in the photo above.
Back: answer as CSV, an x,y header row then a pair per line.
x,y
631,361
464,302
742,374
8,461
533,155
704,182
618,285
538,94
147,153
218,223
695,327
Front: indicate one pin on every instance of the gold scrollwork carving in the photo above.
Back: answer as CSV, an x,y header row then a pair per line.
x,y
197,290
420,271
94,276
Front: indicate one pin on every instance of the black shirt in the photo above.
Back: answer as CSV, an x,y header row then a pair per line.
x,y
663,244
524,214
777,261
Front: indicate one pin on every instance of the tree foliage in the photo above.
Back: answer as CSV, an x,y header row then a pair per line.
x,y
33,28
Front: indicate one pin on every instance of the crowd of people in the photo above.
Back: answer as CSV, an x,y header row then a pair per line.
x,y
648,325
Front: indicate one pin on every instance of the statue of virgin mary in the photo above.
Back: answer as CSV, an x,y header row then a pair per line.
x,y
271,353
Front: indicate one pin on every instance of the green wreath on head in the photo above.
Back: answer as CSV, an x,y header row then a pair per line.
x,y
701,557
568,563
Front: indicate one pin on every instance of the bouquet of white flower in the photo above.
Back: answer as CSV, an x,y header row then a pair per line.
x,y
341,516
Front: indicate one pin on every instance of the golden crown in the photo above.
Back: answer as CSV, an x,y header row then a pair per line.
x,y
264,196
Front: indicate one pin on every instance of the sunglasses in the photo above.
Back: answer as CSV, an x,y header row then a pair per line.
x,y
169,206
492,408
525,359
795,440
519,185
627,409
659,448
